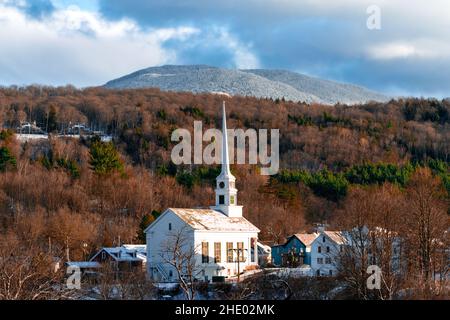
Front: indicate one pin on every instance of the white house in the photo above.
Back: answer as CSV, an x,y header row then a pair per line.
x,y
220,241
325,250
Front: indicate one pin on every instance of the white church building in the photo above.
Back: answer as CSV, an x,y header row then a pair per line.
x,y
211,244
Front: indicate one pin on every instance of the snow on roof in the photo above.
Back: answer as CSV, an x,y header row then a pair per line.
x,y
137,247
131,253
306,238
83,264
336,236
122,254
264,247
212,220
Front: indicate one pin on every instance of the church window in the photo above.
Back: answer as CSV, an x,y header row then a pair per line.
x,y
232,200
319,249
205,253
240,249
221,185
217,252
170,226
221,199
323,239
328,249
229,251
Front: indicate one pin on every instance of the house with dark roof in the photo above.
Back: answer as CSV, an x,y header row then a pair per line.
x,y
124,258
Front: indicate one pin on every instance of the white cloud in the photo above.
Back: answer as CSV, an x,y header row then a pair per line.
x,y
243,57
421,49
392,51
80,47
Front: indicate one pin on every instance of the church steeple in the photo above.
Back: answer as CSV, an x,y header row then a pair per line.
x,y
225,155
226,192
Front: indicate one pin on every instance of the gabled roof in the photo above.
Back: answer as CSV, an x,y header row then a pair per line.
x,y
211,220
306,238
337,236
122,254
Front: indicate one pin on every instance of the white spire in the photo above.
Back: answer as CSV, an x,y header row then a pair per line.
x,y
226,192
225,156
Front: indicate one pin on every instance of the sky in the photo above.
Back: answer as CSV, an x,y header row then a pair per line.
x,y
89,42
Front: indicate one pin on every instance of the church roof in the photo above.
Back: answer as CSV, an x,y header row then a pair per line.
x,y
213,220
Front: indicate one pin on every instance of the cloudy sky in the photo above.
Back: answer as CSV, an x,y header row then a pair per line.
x,y
88,42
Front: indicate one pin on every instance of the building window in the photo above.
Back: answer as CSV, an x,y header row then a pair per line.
x,y
319,260
170,226
331,272
221,185
323,239
319,249
170,274
341,248
328,249
229,251
240,247
253,248
103,255
217,252
205,254
221,199
232,200
328,260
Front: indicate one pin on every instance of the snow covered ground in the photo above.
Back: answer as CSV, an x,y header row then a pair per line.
x,y
256,83
23,137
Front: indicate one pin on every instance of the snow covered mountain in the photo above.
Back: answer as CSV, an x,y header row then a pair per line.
x,y
258,83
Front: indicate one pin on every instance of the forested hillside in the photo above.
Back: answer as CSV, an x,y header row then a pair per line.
x,y
83,194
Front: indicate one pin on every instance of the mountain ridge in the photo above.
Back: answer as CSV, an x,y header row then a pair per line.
x,y
261,83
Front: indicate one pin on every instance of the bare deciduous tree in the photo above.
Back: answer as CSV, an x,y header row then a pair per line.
x,y
179,253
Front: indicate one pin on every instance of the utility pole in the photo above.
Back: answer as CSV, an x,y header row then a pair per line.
x,y
239,253
67,249
46,126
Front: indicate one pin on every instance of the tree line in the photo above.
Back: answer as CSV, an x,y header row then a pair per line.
x,y
67,198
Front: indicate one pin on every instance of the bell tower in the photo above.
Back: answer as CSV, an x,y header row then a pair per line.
x,y
226,192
